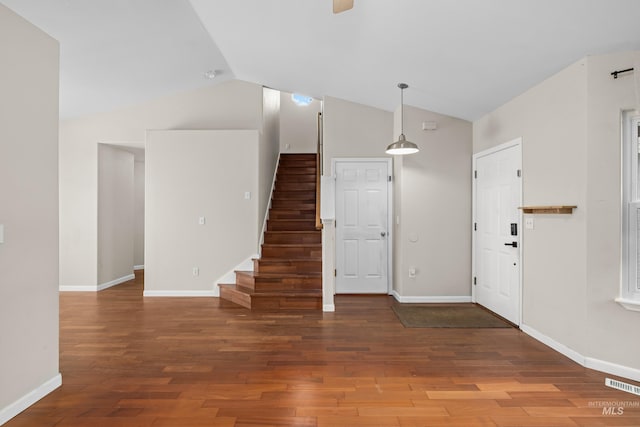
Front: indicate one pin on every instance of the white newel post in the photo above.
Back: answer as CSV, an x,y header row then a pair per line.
x,y
328,215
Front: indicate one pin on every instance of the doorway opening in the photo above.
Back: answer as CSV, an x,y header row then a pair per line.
x,y
121,200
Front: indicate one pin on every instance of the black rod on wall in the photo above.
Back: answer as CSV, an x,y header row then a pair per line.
x,y
615,73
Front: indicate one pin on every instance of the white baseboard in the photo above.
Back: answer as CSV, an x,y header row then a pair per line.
x,y
138,267
64,288
29,399
559,347
96,288
230,276
431,299
216,290
587,362
180,293
266,214
612,368
329,307
115,282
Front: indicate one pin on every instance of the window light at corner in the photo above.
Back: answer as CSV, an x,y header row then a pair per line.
x,y
301,100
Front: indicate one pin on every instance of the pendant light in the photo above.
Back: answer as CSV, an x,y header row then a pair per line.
x,y
402,146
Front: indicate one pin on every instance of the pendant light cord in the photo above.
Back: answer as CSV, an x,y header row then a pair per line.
x,y
401,111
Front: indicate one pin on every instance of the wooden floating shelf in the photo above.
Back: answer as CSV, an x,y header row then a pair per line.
x,y
547,209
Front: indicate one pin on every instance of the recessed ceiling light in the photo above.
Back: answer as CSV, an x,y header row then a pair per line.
x,y
210,74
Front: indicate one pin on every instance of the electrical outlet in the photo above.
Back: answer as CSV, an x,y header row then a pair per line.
x,y
528,223
196,271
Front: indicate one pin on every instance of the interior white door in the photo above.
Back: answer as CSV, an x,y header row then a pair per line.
x,y
362,213
497,231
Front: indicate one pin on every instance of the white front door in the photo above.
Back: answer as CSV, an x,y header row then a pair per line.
x,y
497,229
362,235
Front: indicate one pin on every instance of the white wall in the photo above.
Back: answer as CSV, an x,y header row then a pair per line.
x,y
349,130
354,130
138,216
298,125
551,119
570,126
231,105
116,230
433,191
29,213
193,174
611,330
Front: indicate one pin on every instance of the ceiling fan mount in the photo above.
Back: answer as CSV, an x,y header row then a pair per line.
x,y
342,5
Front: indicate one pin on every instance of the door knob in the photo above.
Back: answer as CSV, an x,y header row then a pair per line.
x,y
513,244
383,233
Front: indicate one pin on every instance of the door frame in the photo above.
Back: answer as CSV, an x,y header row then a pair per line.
x,y
517,142
390,230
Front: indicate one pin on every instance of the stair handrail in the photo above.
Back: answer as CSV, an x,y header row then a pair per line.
x,y
318,172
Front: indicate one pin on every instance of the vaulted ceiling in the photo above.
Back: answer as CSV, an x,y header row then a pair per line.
x,y
460,57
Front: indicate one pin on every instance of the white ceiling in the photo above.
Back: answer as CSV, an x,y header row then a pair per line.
x,y
115,53
460,57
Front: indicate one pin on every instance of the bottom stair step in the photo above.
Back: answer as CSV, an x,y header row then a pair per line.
x,y
260,282
298,300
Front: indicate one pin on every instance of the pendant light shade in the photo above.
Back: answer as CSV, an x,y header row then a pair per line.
x,y
402,146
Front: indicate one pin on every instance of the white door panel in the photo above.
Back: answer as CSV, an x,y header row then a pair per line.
x,y
497,263
361,226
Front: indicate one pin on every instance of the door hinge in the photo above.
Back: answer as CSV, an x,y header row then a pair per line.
x,y
335,273
519,173
475,280
475,174
389,178
475,226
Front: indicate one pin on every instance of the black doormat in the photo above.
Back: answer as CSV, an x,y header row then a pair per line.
x,y
447,316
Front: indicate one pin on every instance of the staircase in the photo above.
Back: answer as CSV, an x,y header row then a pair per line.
x,y
289,273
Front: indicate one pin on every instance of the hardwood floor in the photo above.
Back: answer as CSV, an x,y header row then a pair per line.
x,y
130,361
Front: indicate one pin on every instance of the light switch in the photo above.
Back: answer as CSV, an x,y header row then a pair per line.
x,y
202,220
247,195
1,233
528,223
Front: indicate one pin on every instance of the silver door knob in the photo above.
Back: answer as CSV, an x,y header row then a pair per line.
x,y
383,233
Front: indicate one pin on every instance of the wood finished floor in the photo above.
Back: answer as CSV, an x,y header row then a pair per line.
x,y
130,361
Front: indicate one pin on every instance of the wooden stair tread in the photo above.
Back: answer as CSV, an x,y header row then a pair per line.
x,y
292,245
294,260
252,294
293,232
261,275
288,276
279,293
293,220
298,156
